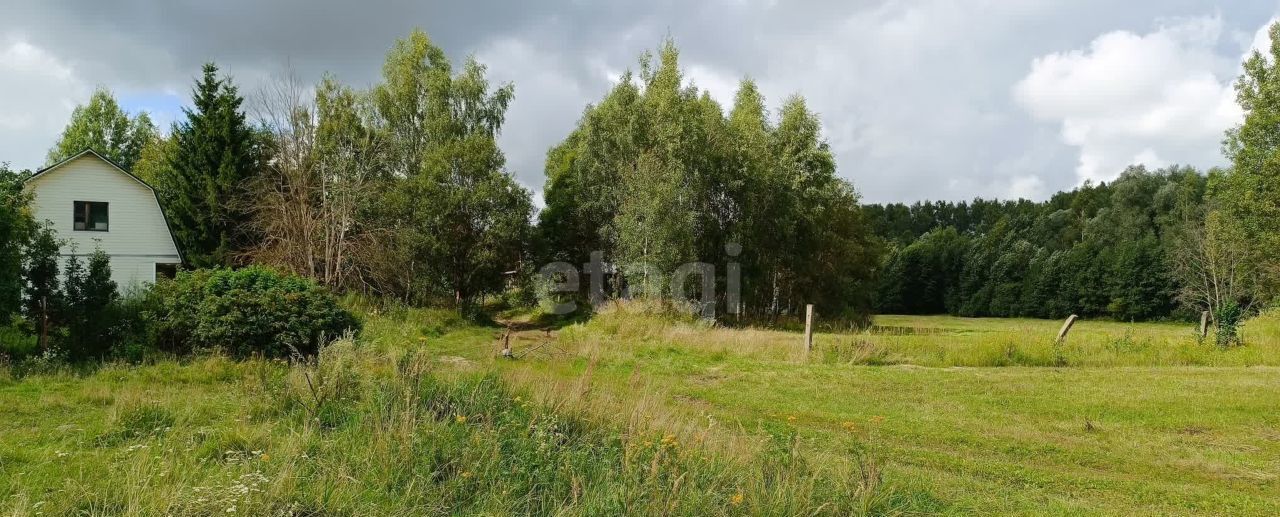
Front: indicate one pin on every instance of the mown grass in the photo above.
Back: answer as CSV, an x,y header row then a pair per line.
x,y
942,341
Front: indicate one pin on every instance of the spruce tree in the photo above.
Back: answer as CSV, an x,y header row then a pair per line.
x,y
41,295
214,156
90,302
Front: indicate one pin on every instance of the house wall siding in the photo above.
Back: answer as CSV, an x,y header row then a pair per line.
x,y
138,237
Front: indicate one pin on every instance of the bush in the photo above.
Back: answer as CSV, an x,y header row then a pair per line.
x,y
16,341
90,311
244,312
1228,318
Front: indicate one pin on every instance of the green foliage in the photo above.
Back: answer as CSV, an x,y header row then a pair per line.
x,y
460,220
921,278
16,227
1249,194
1227,319
655,175
42,295
251,311
101,125
1099,250
153,162
90,314
16,341
214,155
77,308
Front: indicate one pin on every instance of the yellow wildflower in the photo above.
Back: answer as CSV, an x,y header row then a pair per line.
x,y
849,426
461,419
266,457
736,500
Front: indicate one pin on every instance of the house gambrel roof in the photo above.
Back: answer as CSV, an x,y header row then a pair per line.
x,y
122,170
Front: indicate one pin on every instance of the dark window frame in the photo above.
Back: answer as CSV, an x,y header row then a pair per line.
x,y
166,270
82,216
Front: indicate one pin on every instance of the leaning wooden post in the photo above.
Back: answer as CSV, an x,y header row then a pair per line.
x,y
808,328
1204,324
506,343
1066,327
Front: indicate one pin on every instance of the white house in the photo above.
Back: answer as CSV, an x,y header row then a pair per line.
x,y
94,203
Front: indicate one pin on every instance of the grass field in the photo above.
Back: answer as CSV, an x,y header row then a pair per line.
x,y
1144,418
639,412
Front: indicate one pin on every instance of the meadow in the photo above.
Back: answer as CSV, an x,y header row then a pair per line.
x,y
984,414
639,411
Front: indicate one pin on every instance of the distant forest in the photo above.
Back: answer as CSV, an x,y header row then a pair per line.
x,y
1099,250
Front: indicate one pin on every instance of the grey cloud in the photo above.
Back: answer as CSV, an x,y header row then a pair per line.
x,y
916,96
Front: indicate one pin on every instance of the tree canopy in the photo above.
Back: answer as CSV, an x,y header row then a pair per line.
x,y
656,175
101,125
1099,250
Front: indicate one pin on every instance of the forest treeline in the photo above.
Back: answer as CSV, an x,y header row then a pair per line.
x,y
400,191
1151,244
1099,250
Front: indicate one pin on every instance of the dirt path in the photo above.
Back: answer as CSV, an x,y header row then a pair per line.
x,y
528,338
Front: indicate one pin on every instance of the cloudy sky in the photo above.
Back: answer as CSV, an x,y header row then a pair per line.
x,y
921,99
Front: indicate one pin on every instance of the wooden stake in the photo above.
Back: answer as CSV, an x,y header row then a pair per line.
x,y
1066,327
1204,324
506,343
808,328
44,324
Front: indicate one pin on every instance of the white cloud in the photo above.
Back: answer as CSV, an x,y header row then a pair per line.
x,y
722,86
39,91
1025,187
1157,98
1261,41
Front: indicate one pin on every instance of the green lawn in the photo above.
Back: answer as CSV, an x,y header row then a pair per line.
x,y
957,415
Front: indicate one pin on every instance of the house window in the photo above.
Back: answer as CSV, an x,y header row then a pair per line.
x,y
166,270
90,216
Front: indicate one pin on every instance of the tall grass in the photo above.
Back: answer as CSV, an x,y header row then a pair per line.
x,y
366,429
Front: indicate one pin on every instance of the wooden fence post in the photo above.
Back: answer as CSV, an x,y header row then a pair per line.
x,y
808,328
44,324
506,344
1204,324
1066,327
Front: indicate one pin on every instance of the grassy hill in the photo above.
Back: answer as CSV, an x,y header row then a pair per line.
x,y
637,411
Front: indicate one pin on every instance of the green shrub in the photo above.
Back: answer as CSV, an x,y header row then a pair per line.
x,y
16,341
90,312
250,311
1228,317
